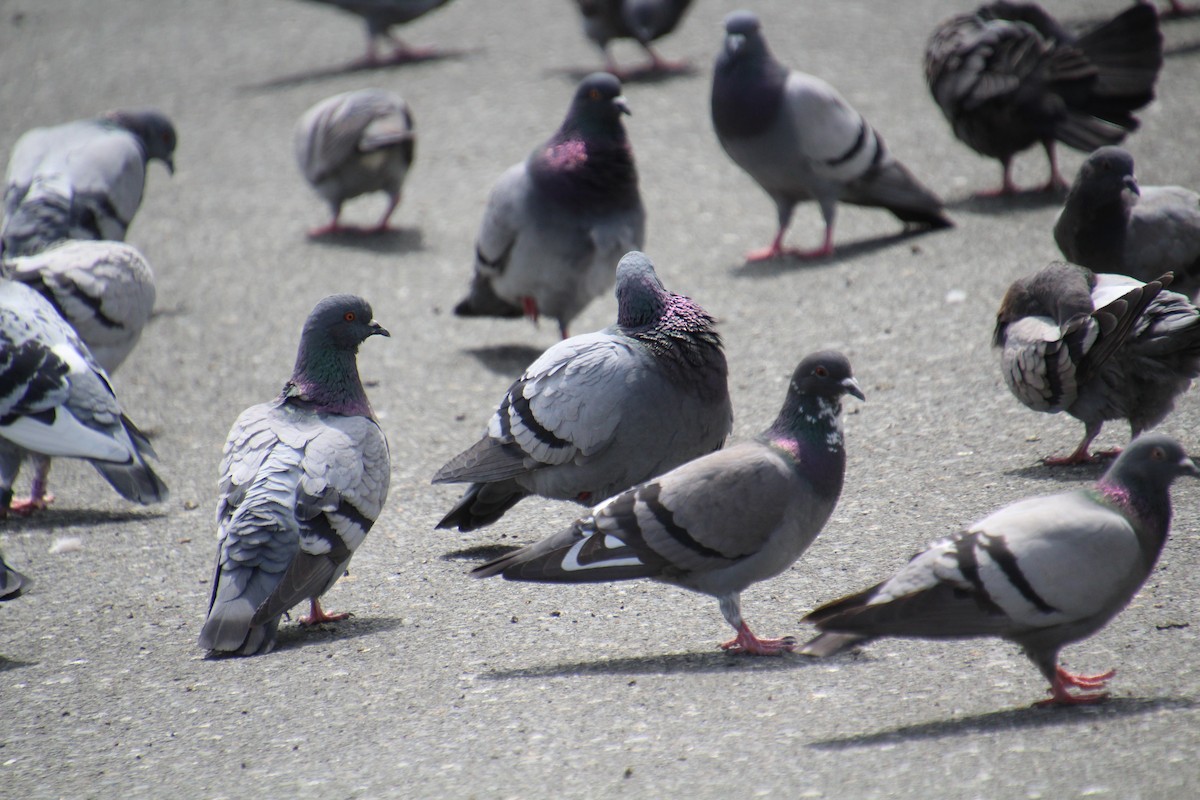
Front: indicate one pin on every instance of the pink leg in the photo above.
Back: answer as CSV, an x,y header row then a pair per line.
x,y
1007,187
1060,694
660,64
1081,456
776,249
382,227
746,642
530,307
1056,183
39,498
317,615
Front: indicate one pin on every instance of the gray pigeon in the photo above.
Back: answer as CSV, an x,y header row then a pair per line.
x,y
1097,346
644,21
56,401
380,17
722,522
354,143
800,140
81,180
598,413
302,481
1043,572
12,583
104,289
1007,76
556,224
1110,224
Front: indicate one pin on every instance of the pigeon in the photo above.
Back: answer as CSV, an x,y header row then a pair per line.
x,y
104,289
598,413
380,17
56,401
1098,346
1110,224
12,583
1042,572
556,225
303,478
644,21
800,140
1007,76
719,523
354,143
81,180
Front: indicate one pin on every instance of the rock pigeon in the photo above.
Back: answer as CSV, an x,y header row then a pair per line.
x,y
1008,76
1097,346
56,401
800,140
354,143
302,480
1042,572
81,180
556,225
644,21
12,583
1110,224
598,413
105,290
721,522
380,17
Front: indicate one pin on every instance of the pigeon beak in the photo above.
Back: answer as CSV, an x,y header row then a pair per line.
x,y
1188,467
377,330
734,42
170,162
851,386
1131,185
621,104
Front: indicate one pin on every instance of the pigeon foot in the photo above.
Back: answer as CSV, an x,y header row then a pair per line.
x,y
318,615
748,644
25,506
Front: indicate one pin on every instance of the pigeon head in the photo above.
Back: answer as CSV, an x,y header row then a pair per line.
x,y
641,297
1141,477
825,374
743,33
1107,173
597,107
326,372
341,322
1060,291
153,130
747,80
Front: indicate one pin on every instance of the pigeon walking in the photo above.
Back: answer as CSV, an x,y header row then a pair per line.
x,y
57,402
81,180
380,17
800,140
1097,346
1008,76
1110,224
302,480
1043,572
354,143
722,522
12,583
644,21
598,413
556,224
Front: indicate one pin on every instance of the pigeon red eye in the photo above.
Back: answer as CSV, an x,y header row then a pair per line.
x,y
594,94
350,316
821,372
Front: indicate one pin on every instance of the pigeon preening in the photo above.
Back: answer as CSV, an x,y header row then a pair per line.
x,y
719,523
1042,572
1110,224
644,21
56,401
380,17
302,480
556,225
800,140
354,143
81,180
1098,346
12,583
600,412
1008,76
104,289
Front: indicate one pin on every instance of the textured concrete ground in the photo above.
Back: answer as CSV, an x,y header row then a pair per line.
x,y
441,686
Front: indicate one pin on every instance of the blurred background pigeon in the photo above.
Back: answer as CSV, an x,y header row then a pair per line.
x,y
380,17
644,21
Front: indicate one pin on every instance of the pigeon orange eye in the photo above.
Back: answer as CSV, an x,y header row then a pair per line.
x,y
821,372
350,316
594,94
1158,454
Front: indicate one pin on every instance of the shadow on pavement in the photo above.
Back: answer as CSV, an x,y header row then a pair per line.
x,y
324,73
645,75
658,665
393,240
58,518
505,359
842,252
7,663
1023,200
483,552
1076,472
294,636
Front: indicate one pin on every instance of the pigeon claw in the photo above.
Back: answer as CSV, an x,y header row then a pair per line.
x,y
25,506
746,643
1060,694
318,615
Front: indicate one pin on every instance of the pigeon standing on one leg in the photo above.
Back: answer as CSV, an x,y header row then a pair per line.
x,y
1043,572
800,140
556,225
719,523
1110,224
354,143
598,413
380,17
641,20
302,480
1008,76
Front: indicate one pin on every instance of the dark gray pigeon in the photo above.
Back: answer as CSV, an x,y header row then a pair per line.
x,y
1110,224
644,21
1098,346
1007,76
556,224
81,180
12,583
354,143
1043,572
380,17
302,481
720,523
600,412
800,140
56,401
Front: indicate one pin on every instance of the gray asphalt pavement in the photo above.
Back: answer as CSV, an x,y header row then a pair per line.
x,y
442,686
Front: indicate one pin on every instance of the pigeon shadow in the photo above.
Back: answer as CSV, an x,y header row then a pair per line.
x,y
1185,49
1021,200
296,636
1011,720
7,664
505,359
392,240
667,664
482,552
844,252
1074,472
358,65
57,518
647,74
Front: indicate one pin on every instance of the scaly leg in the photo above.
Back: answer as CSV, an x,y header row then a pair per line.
x,y
317,615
